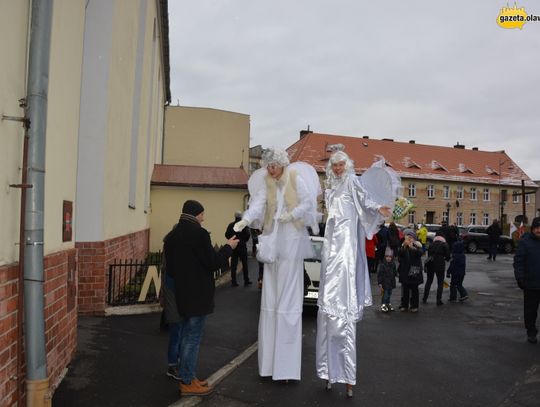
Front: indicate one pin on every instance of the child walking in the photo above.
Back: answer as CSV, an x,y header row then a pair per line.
x,y
386,278
457,272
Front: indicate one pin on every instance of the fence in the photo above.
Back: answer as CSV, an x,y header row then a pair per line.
x,y
138,281
135,281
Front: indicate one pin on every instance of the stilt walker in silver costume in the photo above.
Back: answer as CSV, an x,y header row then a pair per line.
x,y
356,207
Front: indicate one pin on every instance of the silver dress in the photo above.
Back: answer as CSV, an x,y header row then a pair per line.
x,y
345,288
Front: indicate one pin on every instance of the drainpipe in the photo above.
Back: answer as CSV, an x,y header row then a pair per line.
x,y
37,381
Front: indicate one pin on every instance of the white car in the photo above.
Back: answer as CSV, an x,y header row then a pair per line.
x,y
313,269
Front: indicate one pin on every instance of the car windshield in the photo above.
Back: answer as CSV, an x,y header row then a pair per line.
x,y
317,250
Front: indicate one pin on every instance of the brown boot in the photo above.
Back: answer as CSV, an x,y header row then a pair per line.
x,y
202,383
194,389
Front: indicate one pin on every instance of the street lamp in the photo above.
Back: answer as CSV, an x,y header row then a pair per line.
x,y
448,206
501,197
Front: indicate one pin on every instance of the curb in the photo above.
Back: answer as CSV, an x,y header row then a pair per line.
x,y
218,376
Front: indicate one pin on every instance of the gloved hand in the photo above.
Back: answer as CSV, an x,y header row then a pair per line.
x,y
520,284
285,217
240,225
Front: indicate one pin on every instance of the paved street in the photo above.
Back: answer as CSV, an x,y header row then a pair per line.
x,y
465,354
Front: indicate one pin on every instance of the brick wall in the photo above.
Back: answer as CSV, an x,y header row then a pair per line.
x,y
8,333
94,260
60,319
60,311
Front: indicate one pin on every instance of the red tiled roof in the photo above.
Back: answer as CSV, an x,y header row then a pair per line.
x,y
411,160
199,176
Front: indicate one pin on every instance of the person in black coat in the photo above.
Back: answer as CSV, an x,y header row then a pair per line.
x,y
527,273
410,270
494,231
191,261
435,265
241,250
456,270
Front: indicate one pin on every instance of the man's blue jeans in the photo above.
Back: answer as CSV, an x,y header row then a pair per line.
x,y
184,341
173,350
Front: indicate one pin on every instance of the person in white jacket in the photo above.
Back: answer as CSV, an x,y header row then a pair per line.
x,y
282,200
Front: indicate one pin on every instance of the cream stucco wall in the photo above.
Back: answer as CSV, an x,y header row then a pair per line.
x,y
63,117
13,26
118,218
219,207
225,135
121,122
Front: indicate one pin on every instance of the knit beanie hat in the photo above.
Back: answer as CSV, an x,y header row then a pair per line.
x,y
192,208
409,232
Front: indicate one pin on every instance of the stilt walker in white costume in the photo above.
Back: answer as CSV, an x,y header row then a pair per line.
x,y
356,207
283,196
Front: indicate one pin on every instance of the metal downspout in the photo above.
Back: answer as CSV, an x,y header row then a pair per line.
x,y
37,383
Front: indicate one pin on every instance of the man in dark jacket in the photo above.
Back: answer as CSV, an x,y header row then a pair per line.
x,y
494,232
241,250
527,273
191,261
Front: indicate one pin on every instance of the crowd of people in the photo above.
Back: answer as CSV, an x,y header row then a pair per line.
x,y
281,212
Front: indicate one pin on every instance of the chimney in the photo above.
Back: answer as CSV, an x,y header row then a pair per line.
x,y
475,148
388,139
412,142
366,137
460,146
304,133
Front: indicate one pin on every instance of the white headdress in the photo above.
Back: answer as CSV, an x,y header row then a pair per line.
x,y
274,156
339,156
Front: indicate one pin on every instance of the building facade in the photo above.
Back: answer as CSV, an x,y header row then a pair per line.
x,y
107,86
463,186
205,153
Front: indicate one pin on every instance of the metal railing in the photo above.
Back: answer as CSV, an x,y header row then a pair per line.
x,y
138,281
135,281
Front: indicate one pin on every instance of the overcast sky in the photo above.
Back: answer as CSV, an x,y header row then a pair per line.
x,y
435,72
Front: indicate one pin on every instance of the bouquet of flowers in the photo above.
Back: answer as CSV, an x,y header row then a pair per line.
x,y
402,206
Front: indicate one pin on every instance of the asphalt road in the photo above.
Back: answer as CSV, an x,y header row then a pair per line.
x,y
465,354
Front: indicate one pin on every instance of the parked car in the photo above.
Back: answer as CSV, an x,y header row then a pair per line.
x,y
475,238
313,269
432,229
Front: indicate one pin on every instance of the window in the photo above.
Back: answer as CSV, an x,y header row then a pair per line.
x,y
486,194
459,192
446,192
485,219
412,190
459,218
527,199
412,217
431,191
472,219
445,216
515,197
472,192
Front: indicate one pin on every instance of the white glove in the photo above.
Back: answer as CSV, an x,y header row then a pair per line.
x,y
240,225
285,218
